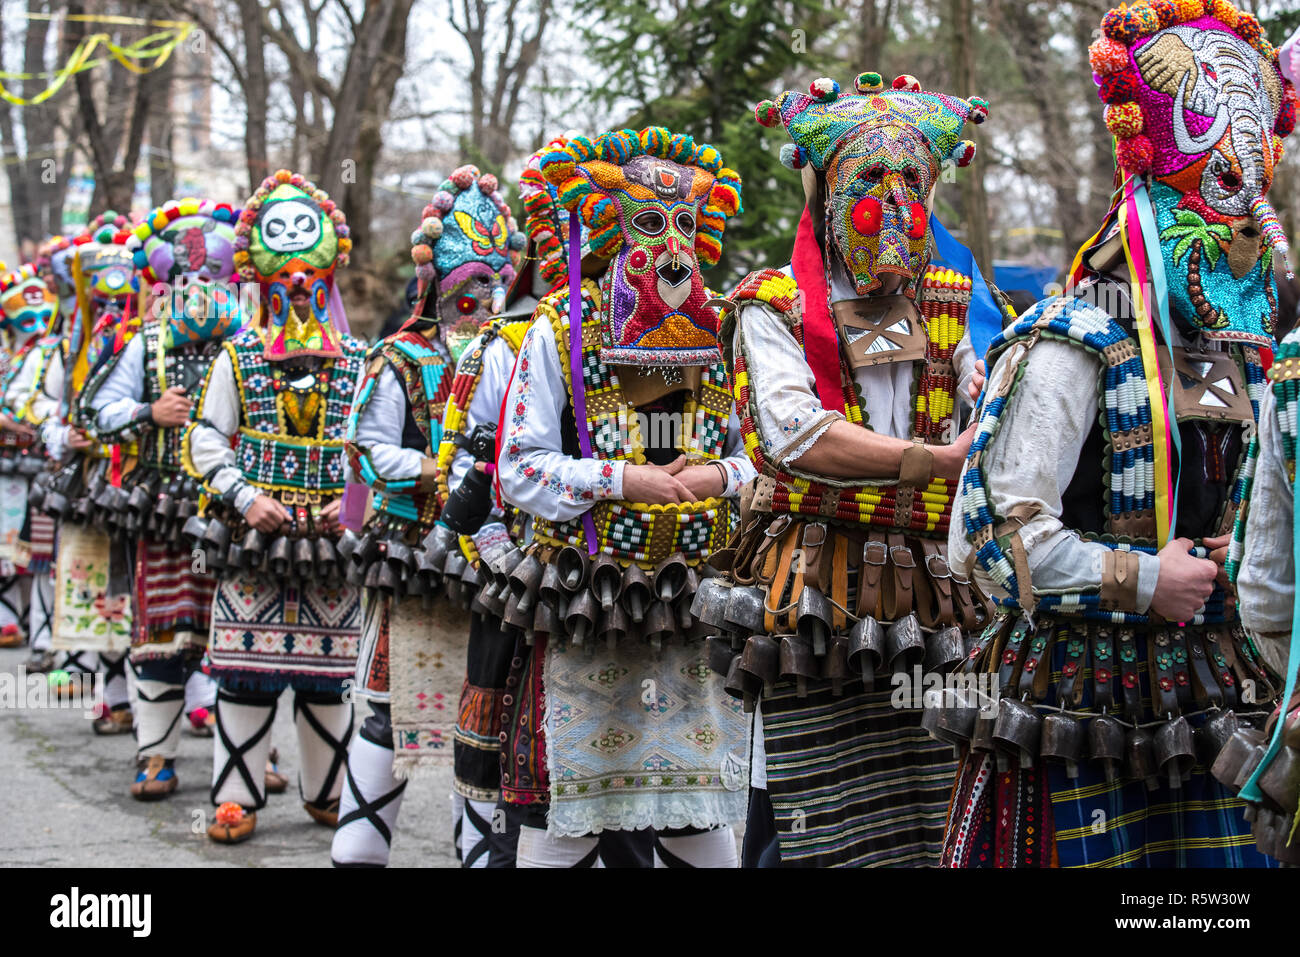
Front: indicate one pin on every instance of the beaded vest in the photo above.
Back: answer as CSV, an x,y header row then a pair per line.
x,y
634,532
1128,453
426,376
290,440
942,301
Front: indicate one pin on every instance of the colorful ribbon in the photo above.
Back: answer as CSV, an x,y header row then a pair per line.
x,y
821,345
577,384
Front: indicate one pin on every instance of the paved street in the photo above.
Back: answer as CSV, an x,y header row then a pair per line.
x,y
66,802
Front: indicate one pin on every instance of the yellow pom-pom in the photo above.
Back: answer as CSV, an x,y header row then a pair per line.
x,y
1124,120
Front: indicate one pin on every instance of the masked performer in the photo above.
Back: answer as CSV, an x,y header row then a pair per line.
x,y
620,445
267,443
849,368
183,252
92,612
28,308
1119,657
32,395
409,668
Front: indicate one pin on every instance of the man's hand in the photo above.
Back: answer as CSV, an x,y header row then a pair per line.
x,y
172,409
949,459
703,481
78,440
266,514
656,484
1218,549
327,519
1185,583
9,425
977,380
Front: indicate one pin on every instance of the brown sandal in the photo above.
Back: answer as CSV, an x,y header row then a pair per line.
x,y
152,786
228,829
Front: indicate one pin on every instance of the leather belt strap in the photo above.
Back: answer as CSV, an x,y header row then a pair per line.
x,y
1218,663
917,465
1182,669
1160,666
814,537
840,583
1037,661
1070,689
1130,685
1119,580
1019,516
990,638
898,599
1205,690
934,605
1008,666
1103,669
875,555
783,558
766,556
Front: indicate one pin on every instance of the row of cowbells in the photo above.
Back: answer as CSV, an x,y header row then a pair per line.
x,y
146,504
1272,819
588,600
1018,730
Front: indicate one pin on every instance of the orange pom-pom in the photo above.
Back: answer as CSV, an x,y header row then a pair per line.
x,y
1107,56
282,175
230,814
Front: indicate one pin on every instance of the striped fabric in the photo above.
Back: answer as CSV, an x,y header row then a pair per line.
x,y
853,780
1041,818
173,605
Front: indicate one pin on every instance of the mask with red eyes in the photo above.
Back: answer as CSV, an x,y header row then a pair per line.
x,y
468,297
877,206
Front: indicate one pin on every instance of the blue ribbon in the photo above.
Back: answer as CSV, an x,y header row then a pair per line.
x,y
983,317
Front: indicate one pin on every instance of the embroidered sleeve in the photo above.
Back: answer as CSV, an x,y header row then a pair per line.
x,y
375,453
535,473
1266,579
208,453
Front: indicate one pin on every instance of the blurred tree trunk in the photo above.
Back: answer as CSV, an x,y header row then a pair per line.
x,y
975,210
255,93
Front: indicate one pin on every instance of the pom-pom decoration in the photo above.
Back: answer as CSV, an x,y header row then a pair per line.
x,y
793,156
229,814
824,89
1135,155
1124,120
869,82
907,83
963,154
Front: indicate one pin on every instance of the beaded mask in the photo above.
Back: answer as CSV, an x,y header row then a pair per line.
x,y
1197,103
29,305
185,251
464,253
290,238
881,151
655,204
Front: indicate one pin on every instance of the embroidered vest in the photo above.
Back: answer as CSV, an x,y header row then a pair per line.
x,y
426,375
1128,455
290,440
943,300
634,532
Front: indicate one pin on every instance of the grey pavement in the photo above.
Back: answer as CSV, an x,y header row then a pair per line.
x,y
67,804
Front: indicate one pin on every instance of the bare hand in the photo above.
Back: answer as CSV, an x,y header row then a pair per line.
x,y
1218,549
656,484
702,481
266,514
327,519
977,379
10,425
78,440
949,459
1185,583
172,409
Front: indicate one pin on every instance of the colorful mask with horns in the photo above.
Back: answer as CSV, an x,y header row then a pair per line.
x,y
464,253
1197,103
881,151
290,238
29,305
185,250
655,204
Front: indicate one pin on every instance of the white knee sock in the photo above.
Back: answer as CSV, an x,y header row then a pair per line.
x,y
40,624
359,839
200,692
157,717
458,825
245,723
539,849
323,750
715,848
474,834
117,692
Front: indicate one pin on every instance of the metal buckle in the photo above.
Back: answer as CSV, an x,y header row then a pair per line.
x,y
943,564
894,551
871,547
814,527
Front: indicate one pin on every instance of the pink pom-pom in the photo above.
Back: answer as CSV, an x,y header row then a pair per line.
x,y
464,177
1135,154
487,184
425,273
443,201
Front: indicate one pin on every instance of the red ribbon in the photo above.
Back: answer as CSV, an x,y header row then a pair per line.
x,y
821,347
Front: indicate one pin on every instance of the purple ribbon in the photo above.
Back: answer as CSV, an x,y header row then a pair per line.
x,y
338,315
578,385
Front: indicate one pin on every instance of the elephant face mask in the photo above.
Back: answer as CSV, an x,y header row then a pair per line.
x,y
1196,105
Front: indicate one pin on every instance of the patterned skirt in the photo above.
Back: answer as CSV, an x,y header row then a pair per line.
x,y
35,547
173,603
636,739
268,636
427,651
853,780
477,745
86,617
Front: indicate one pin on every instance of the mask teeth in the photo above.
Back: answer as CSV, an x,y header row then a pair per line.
x,y
498,299
1271,229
